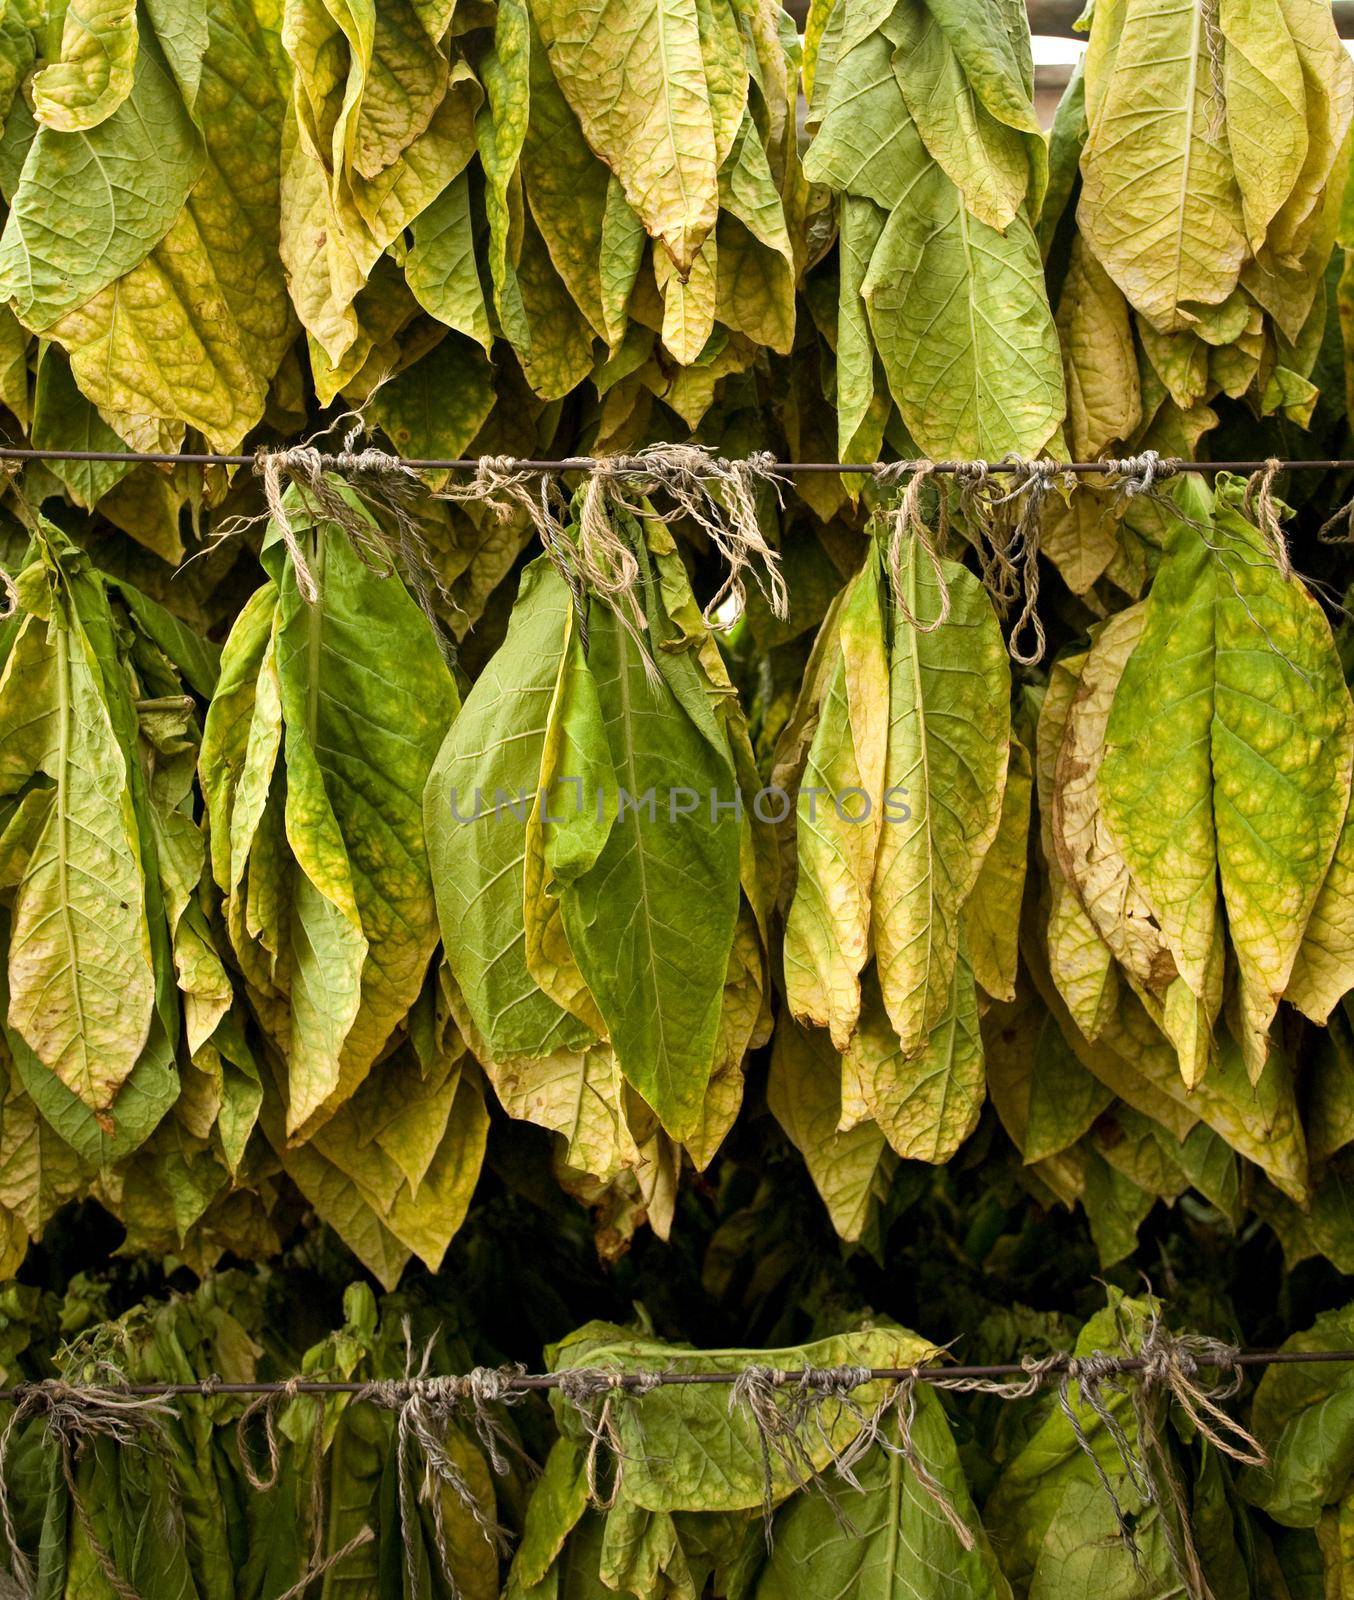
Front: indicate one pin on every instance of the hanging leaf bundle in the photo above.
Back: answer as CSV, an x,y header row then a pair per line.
x,y
597,762
899,749
317,851
1214,217
1198,174
923,125
119,1006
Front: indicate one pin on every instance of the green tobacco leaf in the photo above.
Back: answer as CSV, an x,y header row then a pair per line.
x,y
479,792
1104,398
1328,81
827,931
1065,1099
984,157
1228,759
688,1450
92,204
63,419
557,354
885,1540
961,320
500,130
198,659
860,423
991,915
1078,831
578,1094
434,408
639,85
1116,1207
140,347
1050,1503
228,728
949,732
651,924
183,29
1266,109
441,268
1323,970
567,829
81,981
1303,1417
866,143
94,75
1159,207
925,1101
850,1170
360,740
567,189
100,1138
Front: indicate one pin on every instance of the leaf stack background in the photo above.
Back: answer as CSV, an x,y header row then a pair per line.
x,y
994,977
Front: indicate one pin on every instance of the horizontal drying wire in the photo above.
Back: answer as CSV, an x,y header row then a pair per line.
x,y
515,1382
887,469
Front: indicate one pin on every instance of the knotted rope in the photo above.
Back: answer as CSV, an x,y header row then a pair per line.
x,y
381,526
1261,506
905,519
787,1414
1002,506
1171,1368
582,1387
1140,474
425,1407
719,495
715,493
787,1410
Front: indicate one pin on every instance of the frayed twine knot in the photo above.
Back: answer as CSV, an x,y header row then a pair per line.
x,y
425,1405
1170,1370
1139,475
1262,507
718,495
787,1413
582,1387
905,520
1001,504
376,513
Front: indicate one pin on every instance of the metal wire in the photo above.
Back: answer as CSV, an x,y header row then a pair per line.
x,y
532,1383
591,463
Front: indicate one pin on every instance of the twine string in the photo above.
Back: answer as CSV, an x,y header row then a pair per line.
x,y
425,1407
903,520
582,1388
1261,506
790,1411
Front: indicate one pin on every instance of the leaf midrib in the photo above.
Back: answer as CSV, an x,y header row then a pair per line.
x,y
1187,152
63,826
623,684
